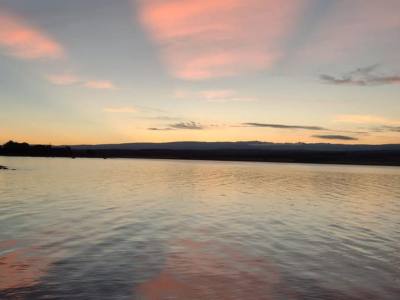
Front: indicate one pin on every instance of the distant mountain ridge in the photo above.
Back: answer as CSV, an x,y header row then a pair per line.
x,y
224,151
242,145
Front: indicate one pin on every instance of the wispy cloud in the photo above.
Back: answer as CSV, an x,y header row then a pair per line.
x,y
371,123
120,109
223,95
148,109
391,128
99,84
144,113
283,126
208,38
362,76
376,80
191,125
160,129
217,94
67,79
385,128
366,119
20,39
163,118
336,137
63,79
25,41
187,125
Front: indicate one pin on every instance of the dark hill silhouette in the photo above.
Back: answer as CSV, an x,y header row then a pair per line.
x,y
233,151
244,145
24,149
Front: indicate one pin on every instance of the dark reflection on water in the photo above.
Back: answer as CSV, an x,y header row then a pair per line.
x,y
137,229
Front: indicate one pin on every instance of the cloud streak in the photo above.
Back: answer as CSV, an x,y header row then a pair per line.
x,y
363,77
68,79
221,96
120,109
208,39
376,80
386,128
25,41
99,84
392,128
187,125
63,79
22,40
282,126
160,129
224,96
336,137
366,119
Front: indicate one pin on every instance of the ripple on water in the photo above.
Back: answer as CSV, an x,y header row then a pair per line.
x,y
139,229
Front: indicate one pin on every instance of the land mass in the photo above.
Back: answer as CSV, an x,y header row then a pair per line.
x,y
388,154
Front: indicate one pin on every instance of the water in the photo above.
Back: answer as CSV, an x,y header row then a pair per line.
x,y
169,229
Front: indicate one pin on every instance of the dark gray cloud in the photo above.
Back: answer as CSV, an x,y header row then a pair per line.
x,y
362,82
343,80
386,128
392,128
159,129
336,137
283,126
187,125
181,125
363,77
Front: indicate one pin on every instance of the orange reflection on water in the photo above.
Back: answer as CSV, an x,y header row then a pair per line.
x,y
20,268
206,270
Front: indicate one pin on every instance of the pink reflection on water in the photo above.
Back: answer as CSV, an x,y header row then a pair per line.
x,y
208,270
20,268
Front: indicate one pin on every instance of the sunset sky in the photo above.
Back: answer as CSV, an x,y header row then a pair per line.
x,y
112,71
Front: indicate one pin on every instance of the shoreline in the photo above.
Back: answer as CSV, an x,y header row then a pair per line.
x,y
283,159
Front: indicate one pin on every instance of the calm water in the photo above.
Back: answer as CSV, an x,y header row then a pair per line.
x,y
166,229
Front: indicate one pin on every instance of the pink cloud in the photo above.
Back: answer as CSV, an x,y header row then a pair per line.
x,y
63,79
213,96
99,84
224,96
24,41
72,79
208,38
217,94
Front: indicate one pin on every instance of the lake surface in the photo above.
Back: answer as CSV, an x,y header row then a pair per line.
x,y
170,229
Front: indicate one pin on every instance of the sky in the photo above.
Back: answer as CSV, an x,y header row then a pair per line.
x,y
115,71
